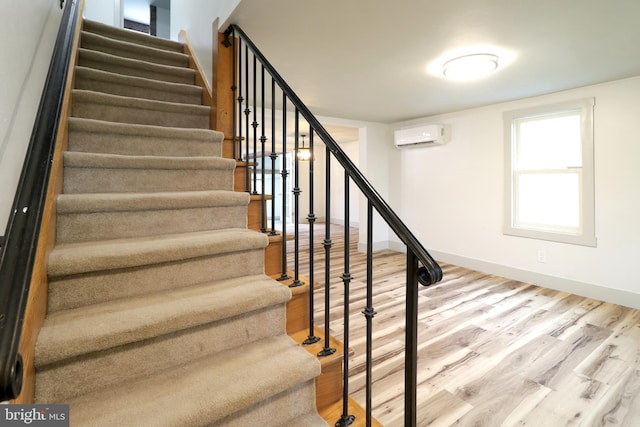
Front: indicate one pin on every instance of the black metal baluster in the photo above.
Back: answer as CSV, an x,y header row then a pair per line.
x,y
247,112
345,418
327,350
311,339
274,157
263,139
296,206
255,129
369,313
411,342
285,174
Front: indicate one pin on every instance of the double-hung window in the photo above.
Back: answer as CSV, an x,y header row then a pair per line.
x,y
549,173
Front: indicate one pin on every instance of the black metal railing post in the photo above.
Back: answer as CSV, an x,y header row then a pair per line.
x,y
254,125
273,156
312,338
346,419
369,313
327,350
284,174
411,342
247,113
263,140
296,205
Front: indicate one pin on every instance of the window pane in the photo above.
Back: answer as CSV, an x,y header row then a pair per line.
x,y
548,199
548,142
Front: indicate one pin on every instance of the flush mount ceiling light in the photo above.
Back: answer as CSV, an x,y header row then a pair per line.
x,y
469,67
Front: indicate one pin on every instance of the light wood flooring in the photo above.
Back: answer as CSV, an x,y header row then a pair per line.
x,y
492,351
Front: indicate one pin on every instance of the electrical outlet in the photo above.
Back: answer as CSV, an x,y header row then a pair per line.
x,y
542,256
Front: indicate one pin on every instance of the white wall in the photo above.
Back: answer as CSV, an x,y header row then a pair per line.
x,y
163,22
28,31
452,195
108,12
196,18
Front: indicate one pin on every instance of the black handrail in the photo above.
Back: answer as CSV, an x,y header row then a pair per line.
x,y
21,237
430,272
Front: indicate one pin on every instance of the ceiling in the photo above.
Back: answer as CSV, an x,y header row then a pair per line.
x,y
372,59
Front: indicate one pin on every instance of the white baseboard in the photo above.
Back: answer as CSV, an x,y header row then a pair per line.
x,y
615,296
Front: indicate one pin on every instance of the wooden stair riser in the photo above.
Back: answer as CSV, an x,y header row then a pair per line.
x,y
273,257
256,207
227,148
240,178
329,384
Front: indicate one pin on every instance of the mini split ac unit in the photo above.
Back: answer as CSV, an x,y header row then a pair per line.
x,y
426,135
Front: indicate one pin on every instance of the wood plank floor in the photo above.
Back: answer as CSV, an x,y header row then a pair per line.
x,y
492,351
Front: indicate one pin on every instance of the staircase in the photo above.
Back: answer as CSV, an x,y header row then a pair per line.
x,y
159,308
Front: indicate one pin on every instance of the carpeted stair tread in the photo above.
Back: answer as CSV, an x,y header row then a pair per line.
x,y
118,161
203,391
136,87
77,258
116,202
98,136
124,109
100,216
131,36
134,67
72,333
127,49
114,173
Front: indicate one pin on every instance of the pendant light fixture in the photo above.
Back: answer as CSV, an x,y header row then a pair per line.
x,y
304,153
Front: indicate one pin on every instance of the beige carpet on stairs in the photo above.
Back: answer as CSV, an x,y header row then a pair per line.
x,y
159,311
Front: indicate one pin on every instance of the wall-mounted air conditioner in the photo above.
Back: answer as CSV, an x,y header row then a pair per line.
x,y
426,135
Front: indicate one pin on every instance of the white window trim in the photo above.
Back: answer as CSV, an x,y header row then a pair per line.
x,y
586,236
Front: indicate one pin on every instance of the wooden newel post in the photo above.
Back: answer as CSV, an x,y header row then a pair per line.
x,y
223,58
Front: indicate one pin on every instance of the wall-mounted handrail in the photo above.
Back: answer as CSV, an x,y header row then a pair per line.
x,y
21,237
421,267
